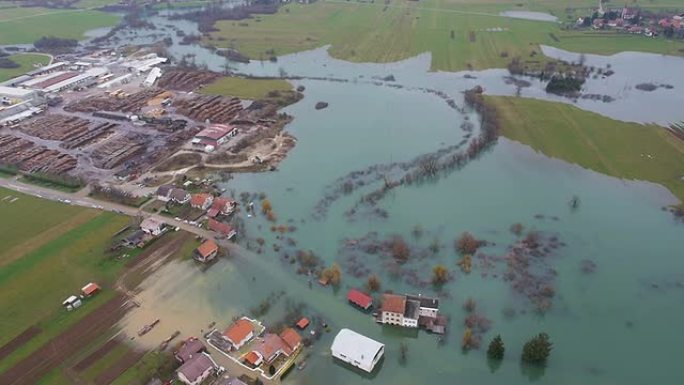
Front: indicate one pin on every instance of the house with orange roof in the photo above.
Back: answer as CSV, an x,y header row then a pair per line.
x,y
221,206
206,251
239,333
223,229
201,201
273,346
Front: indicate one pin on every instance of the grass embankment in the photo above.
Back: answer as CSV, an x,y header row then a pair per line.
x,y
595,142
245,88
25,25
26,63
459,36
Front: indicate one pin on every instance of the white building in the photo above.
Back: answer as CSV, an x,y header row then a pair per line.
x,y
152,77
11,95
357,350
152,226
429,307
399,310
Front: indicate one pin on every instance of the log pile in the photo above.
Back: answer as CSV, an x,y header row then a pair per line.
x,y
216,109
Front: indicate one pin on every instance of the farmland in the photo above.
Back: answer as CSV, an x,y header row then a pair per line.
x,y
26,25
459,36
63,250
244,88
595,142
25,61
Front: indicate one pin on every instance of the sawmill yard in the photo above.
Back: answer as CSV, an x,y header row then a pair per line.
x,y
103,133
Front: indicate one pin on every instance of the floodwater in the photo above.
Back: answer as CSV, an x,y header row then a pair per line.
x,y
528,15
615,267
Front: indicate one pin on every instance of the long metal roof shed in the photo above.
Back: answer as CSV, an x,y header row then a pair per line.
x,y
357,349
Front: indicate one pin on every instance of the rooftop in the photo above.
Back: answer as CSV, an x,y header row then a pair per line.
x,y
239,330
215,132
17,92
428,302
197,365
356,346
189,349
359,298
207,248
393,303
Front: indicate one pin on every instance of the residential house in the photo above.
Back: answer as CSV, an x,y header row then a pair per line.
x,y
357,350
398,310
223,229
239,333
201,201
629,13
189,349
273,346
429,307
136,239
152,226
412,311
206,251
360,299
221,206
164,192
179,196
197,369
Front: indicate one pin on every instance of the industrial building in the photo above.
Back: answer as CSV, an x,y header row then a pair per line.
x,y
357,350
12,95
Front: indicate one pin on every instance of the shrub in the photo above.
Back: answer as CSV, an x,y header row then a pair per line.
x,y
467,244
440,275
374,283
496,349
537,349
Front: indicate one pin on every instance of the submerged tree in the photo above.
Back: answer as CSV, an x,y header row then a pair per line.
x,y
333,274
403,353
467,244
496,349
374,283
537,350
440,275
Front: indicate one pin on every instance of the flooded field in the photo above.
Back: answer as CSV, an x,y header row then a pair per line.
x,y
606,284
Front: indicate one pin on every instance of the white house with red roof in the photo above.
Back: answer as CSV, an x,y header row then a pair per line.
x,y
215,135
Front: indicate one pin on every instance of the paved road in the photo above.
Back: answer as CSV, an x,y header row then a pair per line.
x,y
76,200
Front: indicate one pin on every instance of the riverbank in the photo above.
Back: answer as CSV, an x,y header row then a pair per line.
x,y
620,149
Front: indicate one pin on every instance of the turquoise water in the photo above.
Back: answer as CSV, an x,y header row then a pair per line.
x,y
605,325
617,325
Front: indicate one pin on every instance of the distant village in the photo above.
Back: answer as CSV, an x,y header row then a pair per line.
x,y
634,20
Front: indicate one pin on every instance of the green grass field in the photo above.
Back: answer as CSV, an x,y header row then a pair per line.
x,y
595,142
26,62
61,266
373,32
246,88
26,25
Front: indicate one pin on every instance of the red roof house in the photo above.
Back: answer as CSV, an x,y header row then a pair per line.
x,y
224,229
90,289
201,201
239,333
206,251
216,135
223,206
360,299
303,323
